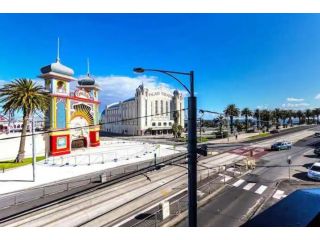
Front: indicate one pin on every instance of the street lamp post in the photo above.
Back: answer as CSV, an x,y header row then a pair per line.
x,y
192,140
34,157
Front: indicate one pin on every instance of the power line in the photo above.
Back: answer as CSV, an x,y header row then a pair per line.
x,y
93,125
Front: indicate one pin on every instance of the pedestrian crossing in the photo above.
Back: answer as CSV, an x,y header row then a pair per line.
x,y
257,188
253,187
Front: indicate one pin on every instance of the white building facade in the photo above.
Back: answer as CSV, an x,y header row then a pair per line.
x,y
151,111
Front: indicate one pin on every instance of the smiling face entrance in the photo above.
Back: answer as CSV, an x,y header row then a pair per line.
x,y
79,132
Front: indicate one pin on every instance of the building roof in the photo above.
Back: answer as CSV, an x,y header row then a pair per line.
x,y
57,67
301,208
129,99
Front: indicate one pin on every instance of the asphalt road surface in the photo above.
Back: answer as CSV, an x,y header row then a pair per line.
x,y
244,197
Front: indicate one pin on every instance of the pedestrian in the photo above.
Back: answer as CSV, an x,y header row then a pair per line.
x,y
236,134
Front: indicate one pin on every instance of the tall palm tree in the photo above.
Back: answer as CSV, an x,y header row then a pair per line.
x,y
308,114
291,114
257,114
299,115
231,111
277,115
317,113
266,117
25,96
283,116
247,113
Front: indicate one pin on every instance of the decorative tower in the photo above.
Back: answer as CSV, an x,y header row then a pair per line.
x,y
57,79
88,89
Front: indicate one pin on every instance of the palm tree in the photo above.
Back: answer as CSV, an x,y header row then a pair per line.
x,y
291,114
231,111
256,114
317,113
277,115
283,116
299,115
308,114
266,116
25,96
247,113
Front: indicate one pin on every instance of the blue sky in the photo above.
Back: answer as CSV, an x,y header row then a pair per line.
x,y
267,60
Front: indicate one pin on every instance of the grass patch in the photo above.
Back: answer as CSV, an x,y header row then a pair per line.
x,y
261,135
11,164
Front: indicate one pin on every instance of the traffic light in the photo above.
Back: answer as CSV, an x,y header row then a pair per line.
x,y
203,150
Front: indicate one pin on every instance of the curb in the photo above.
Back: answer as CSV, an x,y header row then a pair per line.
x,y
201,203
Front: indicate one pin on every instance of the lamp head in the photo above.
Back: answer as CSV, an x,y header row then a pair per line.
x,y
138,70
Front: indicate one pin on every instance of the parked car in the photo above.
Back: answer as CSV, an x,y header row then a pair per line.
x,y
284,145
274,131
314,171
317,151
317,134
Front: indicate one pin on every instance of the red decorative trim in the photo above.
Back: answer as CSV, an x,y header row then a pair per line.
x,y
75,98
60,153
95,144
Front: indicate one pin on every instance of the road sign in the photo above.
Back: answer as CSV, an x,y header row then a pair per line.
x,y
165,209
289,160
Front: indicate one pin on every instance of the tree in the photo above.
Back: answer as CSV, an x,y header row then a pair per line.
x,y
25,96
291,114
256,114
246,112
277,115
308,114
266,116
317,113
177,130
231,111
283,116
299,115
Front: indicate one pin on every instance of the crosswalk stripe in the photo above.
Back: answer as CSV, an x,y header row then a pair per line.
x,y
238,183
261,189
279,194
249,186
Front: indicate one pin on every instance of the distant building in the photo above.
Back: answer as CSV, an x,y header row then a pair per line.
x,y
150,111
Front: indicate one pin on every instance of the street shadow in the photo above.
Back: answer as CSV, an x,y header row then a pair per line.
x,y
307,165
311,156
303,176
144,216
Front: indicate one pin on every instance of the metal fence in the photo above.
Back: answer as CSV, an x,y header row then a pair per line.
x,y
208,184
99,178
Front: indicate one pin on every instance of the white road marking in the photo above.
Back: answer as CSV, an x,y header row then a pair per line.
x,y
238,183
279,194
249,186
233,170
261,189
225,177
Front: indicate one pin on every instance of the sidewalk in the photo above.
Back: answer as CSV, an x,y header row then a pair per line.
x,y
243,136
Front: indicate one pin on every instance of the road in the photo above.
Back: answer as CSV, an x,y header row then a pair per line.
x,y
122,202
252,193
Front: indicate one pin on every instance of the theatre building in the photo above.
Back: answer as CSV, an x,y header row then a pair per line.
x,y
73,116
150,111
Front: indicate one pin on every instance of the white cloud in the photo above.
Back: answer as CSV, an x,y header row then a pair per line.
x,y
295,105
2,82
116,88
291,99
317,97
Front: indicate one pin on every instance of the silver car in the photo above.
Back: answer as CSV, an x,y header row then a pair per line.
x,y
314,171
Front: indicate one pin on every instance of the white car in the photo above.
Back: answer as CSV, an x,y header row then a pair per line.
x,y
314,171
